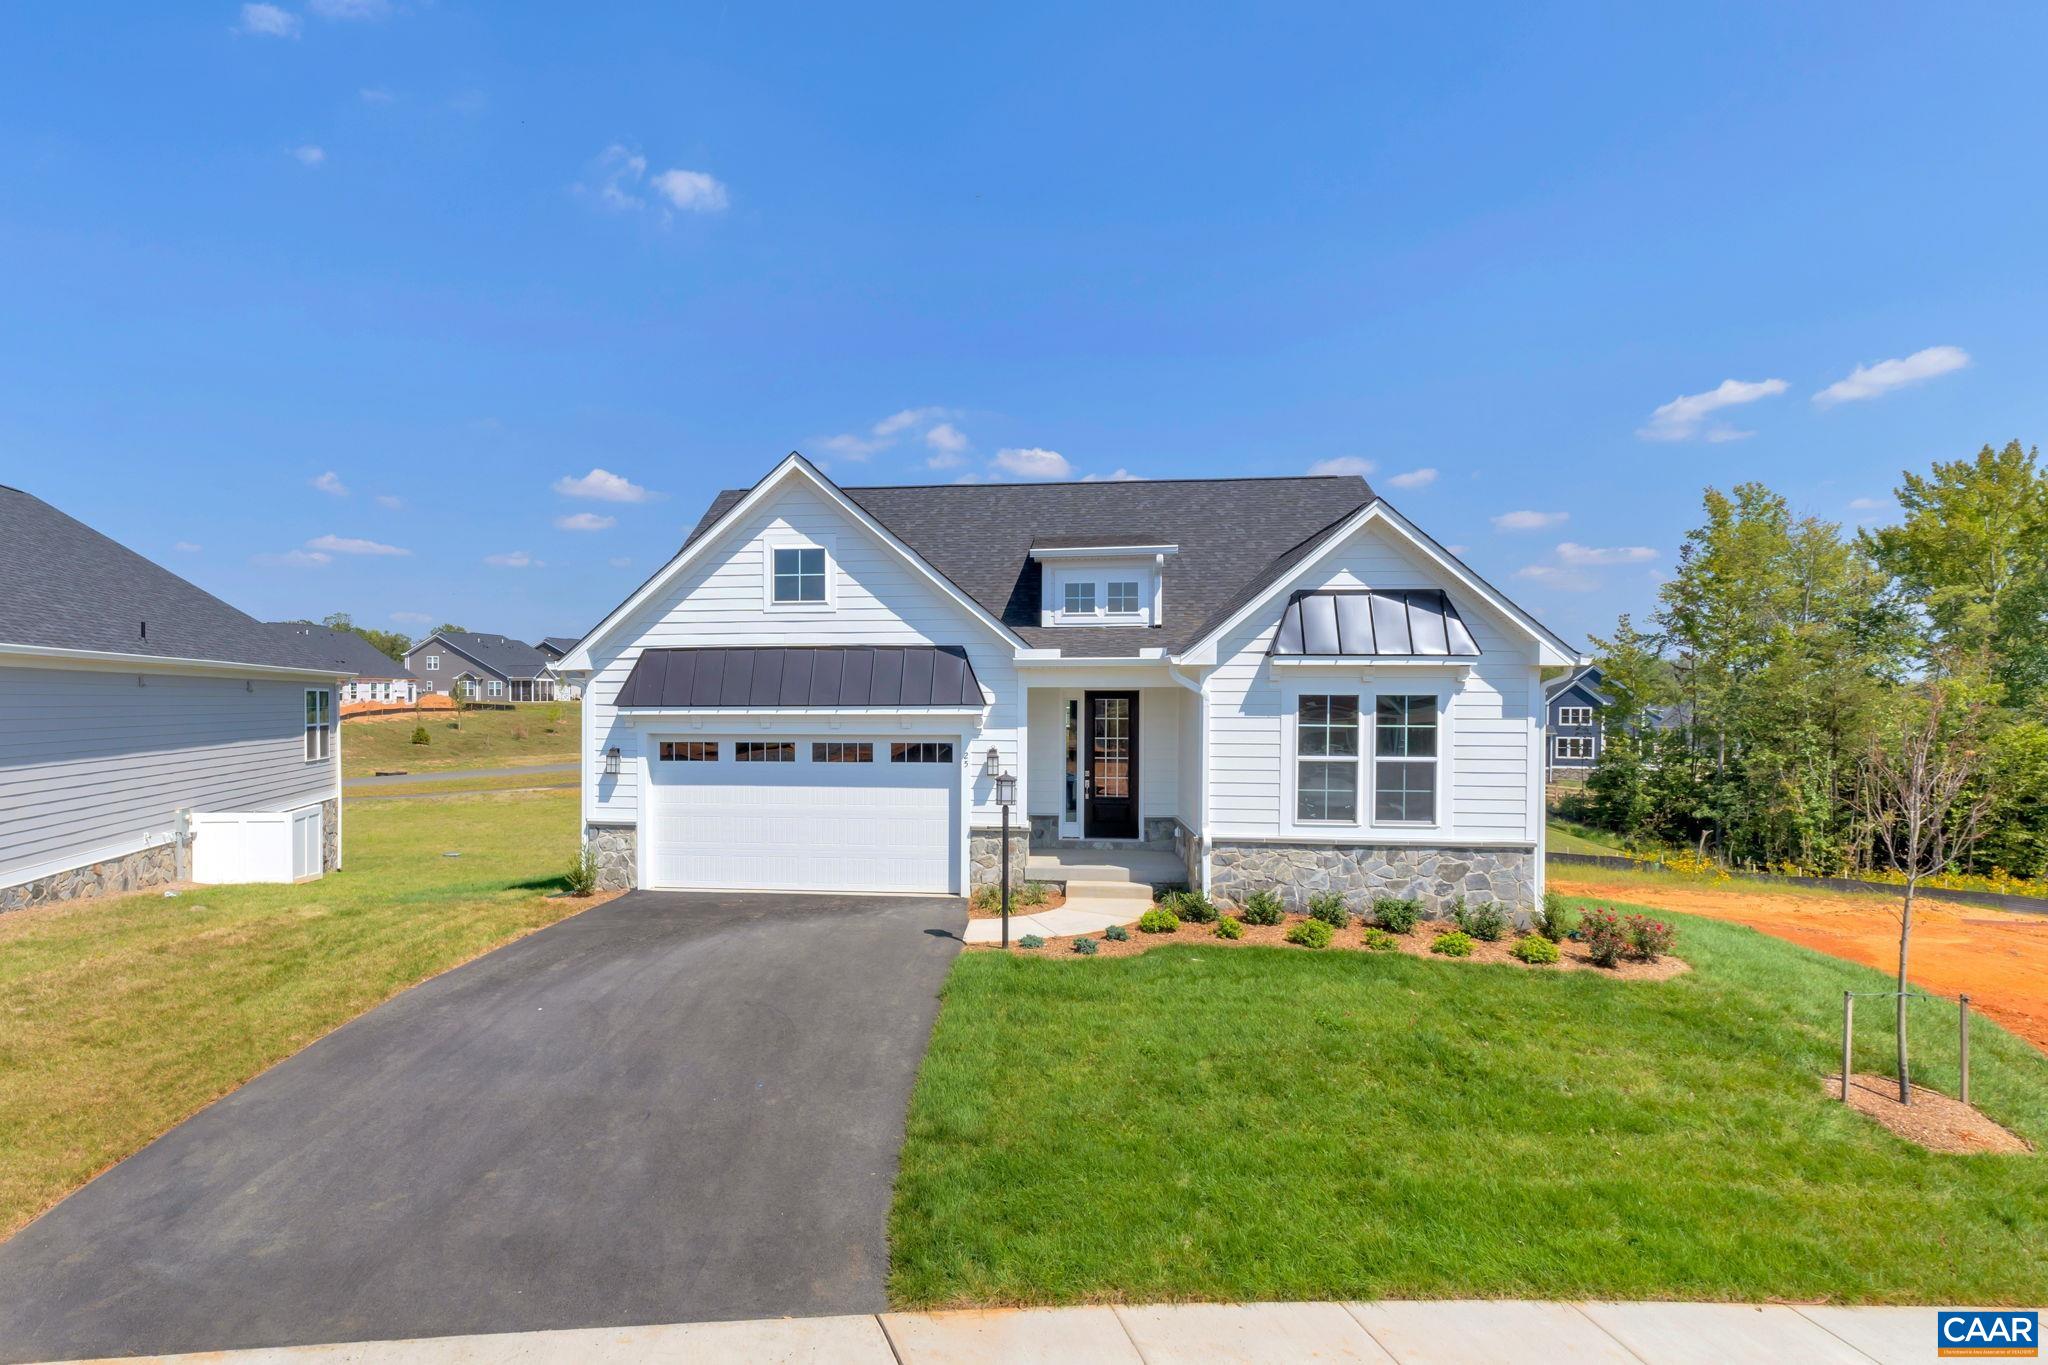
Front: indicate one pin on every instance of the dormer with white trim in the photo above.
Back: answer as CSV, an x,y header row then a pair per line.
x,y
1097,580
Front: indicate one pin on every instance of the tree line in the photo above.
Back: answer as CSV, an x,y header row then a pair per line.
x,y
1787,655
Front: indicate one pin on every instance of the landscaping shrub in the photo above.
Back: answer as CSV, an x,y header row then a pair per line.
x,y
1229,927
1116,933
420,735
1192,906
1394,915
581,879
1158,920
1262,907
1311,933
1457,943
1031,941
1486,922
1380,941
1030,893
1086,947
1558,921
1648,939
1328,906
1536,950
1605,937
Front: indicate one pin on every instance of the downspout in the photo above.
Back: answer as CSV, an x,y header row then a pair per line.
x,y
1201,767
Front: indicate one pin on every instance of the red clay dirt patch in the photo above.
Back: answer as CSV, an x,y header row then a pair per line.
x,y
1938,1122
2000,959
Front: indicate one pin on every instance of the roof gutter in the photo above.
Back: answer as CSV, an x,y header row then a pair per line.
x,y
173,664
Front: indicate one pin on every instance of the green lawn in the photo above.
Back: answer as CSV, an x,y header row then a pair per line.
x,y
120,1017
1566,837
545,732
1282,1124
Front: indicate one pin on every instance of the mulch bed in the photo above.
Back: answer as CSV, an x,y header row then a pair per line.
x,y
1352,938
1054,898
1938,1122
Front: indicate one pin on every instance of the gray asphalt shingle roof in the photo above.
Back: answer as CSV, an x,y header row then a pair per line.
x,y
560,644
499,654
346,652
63,585
1235,536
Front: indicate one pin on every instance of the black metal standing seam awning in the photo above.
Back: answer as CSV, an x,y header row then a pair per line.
x,y
1373,623
891,677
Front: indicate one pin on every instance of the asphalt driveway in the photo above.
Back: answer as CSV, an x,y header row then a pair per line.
x,y
672,1107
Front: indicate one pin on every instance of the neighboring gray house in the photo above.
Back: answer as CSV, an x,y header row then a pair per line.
x,y
134,709
554,647
487,668
372,677
1573,704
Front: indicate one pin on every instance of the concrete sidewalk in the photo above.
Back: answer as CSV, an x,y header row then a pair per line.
x,y
1485,1332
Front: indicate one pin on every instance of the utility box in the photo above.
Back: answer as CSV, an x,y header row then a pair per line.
x,y
257,846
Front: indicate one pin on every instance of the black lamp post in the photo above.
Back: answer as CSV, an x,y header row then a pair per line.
x,y
1006,796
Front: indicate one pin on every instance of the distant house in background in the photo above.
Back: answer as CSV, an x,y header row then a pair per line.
x,y
374,678
1573,703
554,647
149,732
487,668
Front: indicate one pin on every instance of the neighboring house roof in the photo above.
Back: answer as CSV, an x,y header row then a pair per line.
x,y
980,537
1661,718
1587,680
344,651
64,586
873,676
499,654
556,645
1357,622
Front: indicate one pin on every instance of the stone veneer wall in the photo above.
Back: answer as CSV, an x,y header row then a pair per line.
x,y
618,855
985,856
1187,846
330,835
1434,876
1045,831
132,872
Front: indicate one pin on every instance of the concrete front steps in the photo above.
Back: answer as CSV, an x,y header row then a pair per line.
x,y
1104,886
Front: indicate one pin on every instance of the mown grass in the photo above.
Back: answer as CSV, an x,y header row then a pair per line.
x,y
1284,1124
120,1017
1563,836
544,732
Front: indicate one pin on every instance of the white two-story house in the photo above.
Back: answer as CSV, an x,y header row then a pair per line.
x,y
1283,681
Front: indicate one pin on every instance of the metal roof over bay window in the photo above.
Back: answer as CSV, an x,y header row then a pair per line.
x,y
1354,623
866,677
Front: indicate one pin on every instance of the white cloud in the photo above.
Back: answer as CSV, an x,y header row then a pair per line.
x,y
371,94
620,562
586,521
613,178
1683,417
268,21
1342,464
1529,521
351,10
692,191
1864,504
601,485
1119,475
186,547
1617,554
294,559
309,155
1565,580
390,500
946,441
331,484
411,618
1414,478
1031,462
513,559
1874,381
897,423
351,545
850,447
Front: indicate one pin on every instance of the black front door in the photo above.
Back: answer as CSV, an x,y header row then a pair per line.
x,y
1112,773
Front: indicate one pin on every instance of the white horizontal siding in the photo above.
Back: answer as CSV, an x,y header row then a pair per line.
x,y
89,760
1159,749
879,599
1489,718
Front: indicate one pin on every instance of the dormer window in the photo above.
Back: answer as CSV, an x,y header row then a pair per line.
x,y
1123,598
1080,599
1101,581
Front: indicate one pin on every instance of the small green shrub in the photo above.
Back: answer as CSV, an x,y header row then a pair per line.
x,y
1158,920
1648,939
1031,893
1086,947
1262,907
1311,933
1488,922
1229,927
1536,950
1328,906
1605,937
420,735
1193,907
1396,916
1164,892
1031,941
1558,920
1116,933
1380,941
581,879
1457,943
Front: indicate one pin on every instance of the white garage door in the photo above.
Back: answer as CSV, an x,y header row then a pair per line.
x,y
803,814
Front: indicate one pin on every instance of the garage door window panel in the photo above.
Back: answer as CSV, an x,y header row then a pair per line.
x,y
921,752
764,751
840,751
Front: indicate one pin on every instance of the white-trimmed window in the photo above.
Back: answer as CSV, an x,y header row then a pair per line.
x,y
1575,715
319,722
1122,598
1079,599
1326,759
1572,746
1405,759
797,576
497,689
433,663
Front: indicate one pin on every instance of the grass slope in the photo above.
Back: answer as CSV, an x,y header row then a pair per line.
x,y
1283,1124
1563,836
545,732
118,1018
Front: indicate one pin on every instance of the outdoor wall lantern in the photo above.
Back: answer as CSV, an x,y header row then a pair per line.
x,y
611,761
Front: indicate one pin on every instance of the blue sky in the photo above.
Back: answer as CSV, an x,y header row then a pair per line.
x,y
460,257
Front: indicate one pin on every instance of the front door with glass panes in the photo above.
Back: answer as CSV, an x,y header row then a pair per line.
x,y
1110,776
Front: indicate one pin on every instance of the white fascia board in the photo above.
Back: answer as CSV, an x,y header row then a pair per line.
x,y
1368,662
1044,659
90,658
1103,552
793,466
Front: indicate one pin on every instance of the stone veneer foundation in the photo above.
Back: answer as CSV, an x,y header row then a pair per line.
x,y
985,856
1434,876
618,855
131,872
